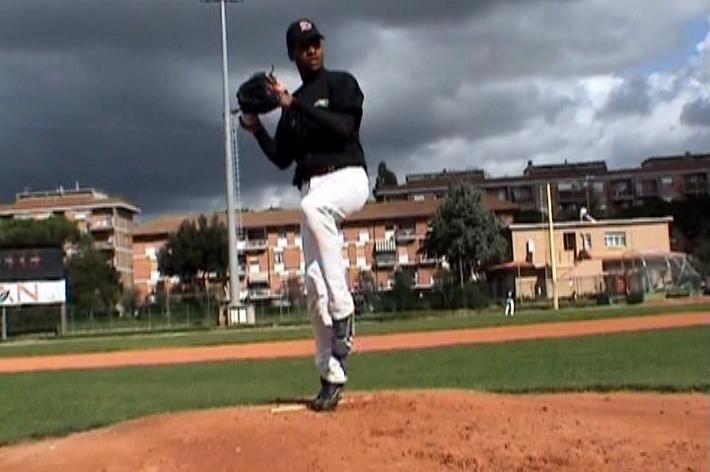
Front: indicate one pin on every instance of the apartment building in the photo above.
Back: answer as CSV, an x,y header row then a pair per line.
x,y
591,256
109,220
377,241
574,185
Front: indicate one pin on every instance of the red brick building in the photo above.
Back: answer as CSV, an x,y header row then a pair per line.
x,y
380,239
109,220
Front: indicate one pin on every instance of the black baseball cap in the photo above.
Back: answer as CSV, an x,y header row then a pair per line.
x,y
300,31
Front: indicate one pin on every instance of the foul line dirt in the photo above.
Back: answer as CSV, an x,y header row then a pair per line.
x,y
391,342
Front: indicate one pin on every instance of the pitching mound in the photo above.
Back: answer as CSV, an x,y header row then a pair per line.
x,y
415,431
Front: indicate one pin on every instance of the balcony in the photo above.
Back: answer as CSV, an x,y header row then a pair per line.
x,y
385,261
258,278
105,245
407,263
522,194
572,196
622,195
255,245
695,185
105,223
427,260
260,294
621,190
406,235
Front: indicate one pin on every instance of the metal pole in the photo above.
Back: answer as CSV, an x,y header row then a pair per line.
x,y
4,323
63,321
234,300
553,261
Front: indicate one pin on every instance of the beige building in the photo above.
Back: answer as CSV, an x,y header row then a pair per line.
x,y
377,241
590,255
109,220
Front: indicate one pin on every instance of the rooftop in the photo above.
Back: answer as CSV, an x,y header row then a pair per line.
x,y
372,211
61,199
591,224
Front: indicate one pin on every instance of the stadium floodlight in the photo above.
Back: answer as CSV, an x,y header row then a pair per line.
x,y
234,287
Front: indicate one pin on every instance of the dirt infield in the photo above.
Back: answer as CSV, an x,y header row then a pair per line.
x,y
414,431
363,344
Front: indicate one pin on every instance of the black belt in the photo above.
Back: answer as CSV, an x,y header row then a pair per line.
x,y
310,172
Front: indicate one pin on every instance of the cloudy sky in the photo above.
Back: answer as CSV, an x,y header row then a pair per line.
x,y
126,95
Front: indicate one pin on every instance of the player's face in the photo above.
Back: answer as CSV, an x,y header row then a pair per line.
x,y
309,55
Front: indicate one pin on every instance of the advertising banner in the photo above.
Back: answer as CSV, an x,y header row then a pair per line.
x,y
32,293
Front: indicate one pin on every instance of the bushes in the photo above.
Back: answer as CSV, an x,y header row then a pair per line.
x,y
473,295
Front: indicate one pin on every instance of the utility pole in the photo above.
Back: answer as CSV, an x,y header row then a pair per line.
x,y
553,260
234,288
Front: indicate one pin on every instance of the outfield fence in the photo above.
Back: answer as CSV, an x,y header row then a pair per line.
x,y
200,312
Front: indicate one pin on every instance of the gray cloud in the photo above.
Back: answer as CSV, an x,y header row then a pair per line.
x,y
127,95
630,98
696,113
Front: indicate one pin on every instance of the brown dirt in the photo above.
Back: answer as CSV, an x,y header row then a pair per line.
x,y
414,431
303,348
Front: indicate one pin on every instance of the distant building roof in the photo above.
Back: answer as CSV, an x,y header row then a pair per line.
x,y
591,224
60,200
566,169
372,211
447,175
685,161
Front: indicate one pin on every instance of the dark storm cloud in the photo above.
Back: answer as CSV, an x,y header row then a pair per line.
x,y
696,113
126,95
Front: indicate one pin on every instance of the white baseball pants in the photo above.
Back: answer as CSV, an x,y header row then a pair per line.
x,y
325,201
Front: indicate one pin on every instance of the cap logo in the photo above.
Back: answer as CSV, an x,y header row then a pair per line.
x,y
305,26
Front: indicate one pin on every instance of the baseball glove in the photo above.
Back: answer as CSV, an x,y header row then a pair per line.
x,y
259,94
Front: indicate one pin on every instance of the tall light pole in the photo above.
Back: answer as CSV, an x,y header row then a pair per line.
x,y
234,300
553,260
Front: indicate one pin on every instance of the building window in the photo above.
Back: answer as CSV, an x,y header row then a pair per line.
x,y
282,239
667,180
587,241
418,197
364,236
615,239
278,257
570,241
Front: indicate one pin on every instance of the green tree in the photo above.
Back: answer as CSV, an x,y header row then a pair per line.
x,y
196,250
691,219
54,231
467,233
402,289
94,282
214,245
385,177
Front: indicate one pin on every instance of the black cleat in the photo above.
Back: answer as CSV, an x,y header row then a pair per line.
x,y
328,397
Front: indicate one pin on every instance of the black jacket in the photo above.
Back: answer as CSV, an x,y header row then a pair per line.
x,y
322,129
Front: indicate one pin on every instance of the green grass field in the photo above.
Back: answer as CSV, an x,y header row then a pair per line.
x,y
417,321
46,404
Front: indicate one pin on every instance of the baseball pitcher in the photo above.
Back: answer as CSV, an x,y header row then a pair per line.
x,y
319,131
